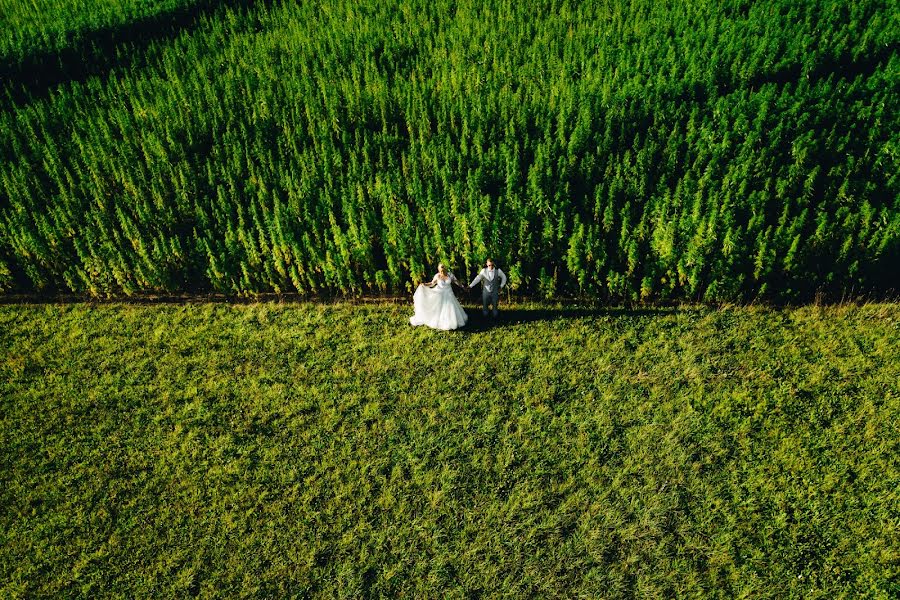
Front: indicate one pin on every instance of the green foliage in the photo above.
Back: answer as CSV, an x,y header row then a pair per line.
x,y
55,26
274,451
702,150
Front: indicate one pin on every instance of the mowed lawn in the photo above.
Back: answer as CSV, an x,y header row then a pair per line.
x,y
309,450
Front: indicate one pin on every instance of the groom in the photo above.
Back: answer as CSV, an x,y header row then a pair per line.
x,y
492,279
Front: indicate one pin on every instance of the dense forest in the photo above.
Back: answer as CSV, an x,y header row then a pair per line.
x,y
710,150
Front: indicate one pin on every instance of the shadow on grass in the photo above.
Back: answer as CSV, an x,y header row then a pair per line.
x,y
522,316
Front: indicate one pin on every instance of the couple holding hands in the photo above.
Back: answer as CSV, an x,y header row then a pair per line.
x,y
436,306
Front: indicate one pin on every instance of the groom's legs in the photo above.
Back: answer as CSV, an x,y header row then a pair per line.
x,y
495,298
485,300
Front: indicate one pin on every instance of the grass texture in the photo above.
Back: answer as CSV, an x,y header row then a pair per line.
x,y
312,450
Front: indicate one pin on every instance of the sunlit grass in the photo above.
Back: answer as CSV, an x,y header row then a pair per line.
x,y
271,450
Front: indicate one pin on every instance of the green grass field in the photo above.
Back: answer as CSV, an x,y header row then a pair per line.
x,y
303,450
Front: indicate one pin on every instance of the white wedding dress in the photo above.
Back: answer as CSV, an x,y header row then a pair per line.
x,y
437,306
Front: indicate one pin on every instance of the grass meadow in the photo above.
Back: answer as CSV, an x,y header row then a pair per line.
x,y
330,450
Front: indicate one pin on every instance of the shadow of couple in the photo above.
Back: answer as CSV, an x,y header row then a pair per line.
x,y
522,316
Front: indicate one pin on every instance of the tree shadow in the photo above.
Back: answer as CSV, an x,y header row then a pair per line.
x,y
95,52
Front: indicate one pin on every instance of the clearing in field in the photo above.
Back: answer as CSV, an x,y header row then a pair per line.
x,y
273,450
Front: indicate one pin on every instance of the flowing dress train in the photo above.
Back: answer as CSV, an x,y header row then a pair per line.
x,y
438,307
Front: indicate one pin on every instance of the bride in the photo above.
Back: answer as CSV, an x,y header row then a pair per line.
x,y
435,304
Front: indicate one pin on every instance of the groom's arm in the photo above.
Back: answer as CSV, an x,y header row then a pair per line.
x,y
476,280
502,277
